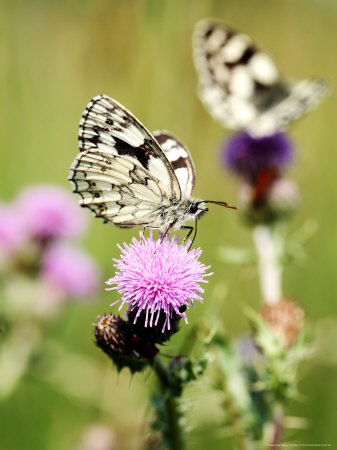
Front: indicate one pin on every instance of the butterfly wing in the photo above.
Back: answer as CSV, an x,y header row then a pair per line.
x,y
117,190
180,160
241,86
121,174
303,97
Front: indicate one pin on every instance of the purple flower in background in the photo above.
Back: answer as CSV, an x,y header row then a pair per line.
x,y
248,156
50,212
157,278
70,270
13,232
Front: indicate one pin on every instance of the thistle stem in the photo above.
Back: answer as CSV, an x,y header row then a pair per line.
x,y
238,432
278,423
173,431
268,245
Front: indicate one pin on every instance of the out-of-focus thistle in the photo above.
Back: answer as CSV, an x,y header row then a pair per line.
x,y
285,318
249,156
40,269
266,380
265,197
37,232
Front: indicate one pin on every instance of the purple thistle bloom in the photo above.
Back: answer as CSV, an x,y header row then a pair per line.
x,y
50,212
70,270
248,156
13,233
158,277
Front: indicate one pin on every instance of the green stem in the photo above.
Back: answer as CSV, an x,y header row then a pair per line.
x,y
174,431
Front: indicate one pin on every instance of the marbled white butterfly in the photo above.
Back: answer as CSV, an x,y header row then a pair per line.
x,y
130,177
240,85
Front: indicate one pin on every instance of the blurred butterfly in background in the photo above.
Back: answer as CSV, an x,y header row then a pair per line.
x,y
240,85
129,177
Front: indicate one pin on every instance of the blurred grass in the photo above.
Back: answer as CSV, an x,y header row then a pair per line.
x,y
55,56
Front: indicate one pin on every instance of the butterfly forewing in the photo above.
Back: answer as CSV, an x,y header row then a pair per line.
x,y
109,127
241,86
121,174
180,160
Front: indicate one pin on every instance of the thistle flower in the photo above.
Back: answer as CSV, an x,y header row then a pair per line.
x,y
70,270
158,278
50,212
248,156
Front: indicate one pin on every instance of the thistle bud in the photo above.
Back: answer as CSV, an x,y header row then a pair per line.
x,y
285,318
115,337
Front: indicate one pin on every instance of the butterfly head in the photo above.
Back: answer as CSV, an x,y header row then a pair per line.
x,y
197,208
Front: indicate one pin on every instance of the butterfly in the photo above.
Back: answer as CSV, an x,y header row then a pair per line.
x,y
240,85
131,178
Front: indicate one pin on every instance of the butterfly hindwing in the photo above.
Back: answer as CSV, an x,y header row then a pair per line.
x,y
304,96
109,127
241,86
180,160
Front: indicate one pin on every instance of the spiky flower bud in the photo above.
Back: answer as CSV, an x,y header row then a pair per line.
x,y
113,335
116,338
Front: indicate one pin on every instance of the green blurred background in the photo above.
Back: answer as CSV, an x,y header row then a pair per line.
x,y
54,57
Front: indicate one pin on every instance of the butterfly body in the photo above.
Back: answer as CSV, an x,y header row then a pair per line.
x,y
177,214
241,86
129,177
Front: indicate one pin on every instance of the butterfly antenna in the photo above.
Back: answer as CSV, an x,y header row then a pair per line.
x,y
226,205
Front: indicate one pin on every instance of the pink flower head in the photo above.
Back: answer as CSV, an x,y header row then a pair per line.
x,y
13,232
50,211
71,271
157,277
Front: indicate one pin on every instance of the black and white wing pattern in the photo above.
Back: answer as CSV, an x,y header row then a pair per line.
x,y
241,86
121,174
180,160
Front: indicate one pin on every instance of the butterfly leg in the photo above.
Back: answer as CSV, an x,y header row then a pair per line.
x,y
189,232
166,232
